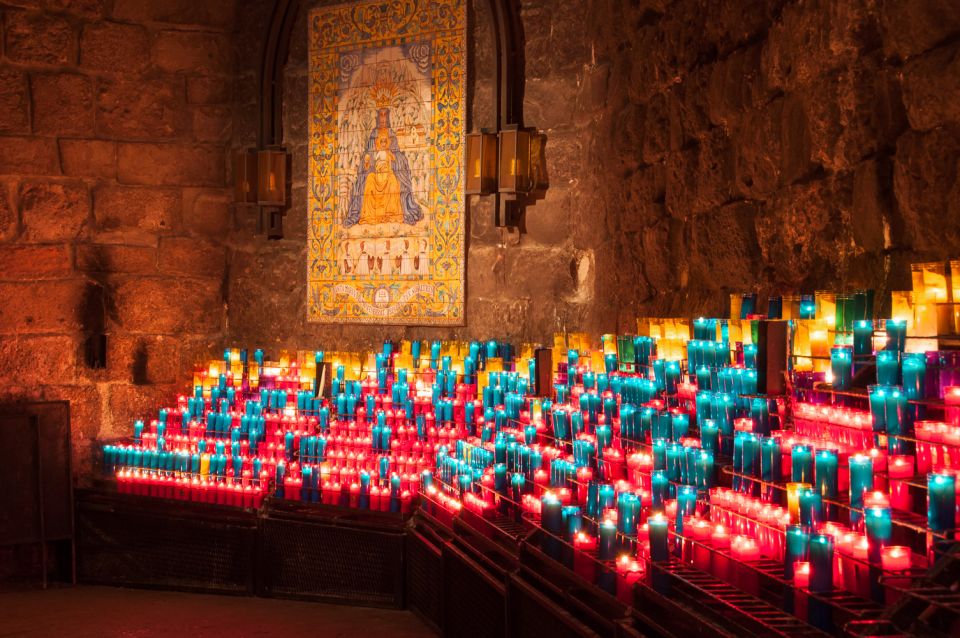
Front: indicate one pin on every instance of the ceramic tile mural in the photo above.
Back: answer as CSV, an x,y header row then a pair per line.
x,y
386,204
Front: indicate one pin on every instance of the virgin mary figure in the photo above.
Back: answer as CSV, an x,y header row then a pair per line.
x,y
383,192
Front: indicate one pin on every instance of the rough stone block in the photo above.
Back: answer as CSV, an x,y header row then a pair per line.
x,y
150,109
9,218
208,212
804,228
39,360
910,28
925,184
208,89
88,158
110,258
29,156
128,403
110,46
192,257
40,306
548,220
54,211
148,209
85,8
14,102
171,165
62,104
872,198
192,52
39,39
210,13
931,88
25,262
170,305
212,123
143,359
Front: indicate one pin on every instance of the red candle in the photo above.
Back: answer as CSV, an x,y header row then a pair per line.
x,y
585,546
629,573
898,468
801,574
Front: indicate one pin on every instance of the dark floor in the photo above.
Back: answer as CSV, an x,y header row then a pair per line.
x,y
102,612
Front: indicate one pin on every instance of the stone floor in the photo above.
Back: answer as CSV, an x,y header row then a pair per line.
x,y
104,612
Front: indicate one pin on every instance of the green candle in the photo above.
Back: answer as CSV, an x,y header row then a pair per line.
x,y
861,478
796,546
801,457
941,501
821,562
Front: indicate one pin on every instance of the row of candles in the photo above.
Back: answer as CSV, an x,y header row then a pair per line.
x,y
581,448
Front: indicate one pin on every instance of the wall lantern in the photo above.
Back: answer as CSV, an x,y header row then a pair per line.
x,y
245,177
509,165
272,172
482,159
515,161
260,179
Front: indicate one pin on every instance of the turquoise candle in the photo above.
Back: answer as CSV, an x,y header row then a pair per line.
x,y
808,309
826,465
841,364
608,540
610,363
672,376
796,546
941,501
751,462
888,367
750,355
705,471
862,337
704,378
878,407
821,562
680,425
760,414
659,489
657,534
897,422
710,436
573,358
686,504
896,334
811,507
913,374
659,449
861,480
551,518
628,513
770,467
801,457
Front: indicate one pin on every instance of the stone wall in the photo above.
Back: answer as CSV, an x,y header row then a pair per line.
x,y
695,149
772,145
114,122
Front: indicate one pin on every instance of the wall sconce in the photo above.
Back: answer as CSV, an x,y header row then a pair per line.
x,y
514,161
260,179
245,176
481,178
272,172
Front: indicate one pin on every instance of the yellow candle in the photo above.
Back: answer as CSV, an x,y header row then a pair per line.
x,y
204,465
793,500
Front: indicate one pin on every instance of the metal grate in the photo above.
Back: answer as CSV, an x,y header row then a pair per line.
x,y
533,614
424,579
341,564
157,549
474,604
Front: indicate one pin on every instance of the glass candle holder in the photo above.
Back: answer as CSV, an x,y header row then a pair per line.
x,y
878,525
801,461
826,473
862,337
841,365
941,501
896,334
821,562
796,548
888,368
